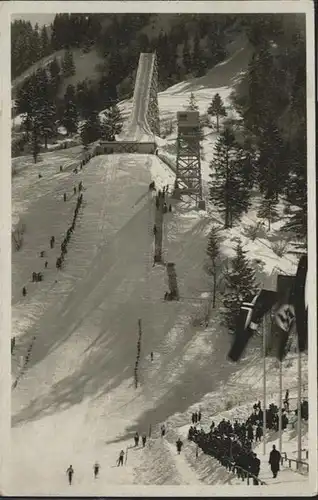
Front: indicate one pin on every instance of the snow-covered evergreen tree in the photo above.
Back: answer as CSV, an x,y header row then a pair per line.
x,y
70,114
217,109
213,252
268,209
112,123
240,285
55,73
68,65
228,190
192,103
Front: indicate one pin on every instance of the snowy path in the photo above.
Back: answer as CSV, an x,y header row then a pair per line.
x,y
185,471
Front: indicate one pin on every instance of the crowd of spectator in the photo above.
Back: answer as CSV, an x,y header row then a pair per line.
x,y
231,443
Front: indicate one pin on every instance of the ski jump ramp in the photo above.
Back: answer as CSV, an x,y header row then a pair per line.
x,y
139,136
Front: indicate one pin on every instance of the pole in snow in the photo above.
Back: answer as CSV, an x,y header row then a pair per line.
x,y
299,408
264,386
280,427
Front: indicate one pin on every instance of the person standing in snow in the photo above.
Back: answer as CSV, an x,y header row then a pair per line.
x,y
96,469
163,430
24,291
179,445
136,438
199,416
274,461
259,433
64,196
120,460
70,472
151,356
144,439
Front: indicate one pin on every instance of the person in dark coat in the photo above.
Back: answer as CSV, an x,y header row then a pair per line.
x,y
250,432
120,460
170,208
151,356
64,196
179,445
136,438
46,264
192,418
259,433
24,291
96,469
70,472
274,460
144,439
163,430
255,467
199,416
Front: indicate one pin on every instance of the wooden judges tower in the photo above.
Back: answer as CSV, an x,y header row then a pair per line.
x,y
188,175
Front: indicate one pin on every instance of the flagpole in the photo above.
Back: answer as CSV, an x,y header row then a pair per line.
x,y
299,406
264,386
280,426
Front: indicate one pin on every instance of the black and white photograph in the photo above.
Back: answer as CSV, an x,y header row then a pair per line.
x,y
163,275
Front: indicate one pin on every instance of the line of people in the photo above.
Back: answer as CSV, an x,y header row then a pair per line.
x,y
60,259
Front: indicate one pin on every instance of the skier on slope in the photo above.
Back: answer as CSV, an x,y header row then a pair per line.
x,y
96,469
24,291
179,445
120,460
163,430
70,472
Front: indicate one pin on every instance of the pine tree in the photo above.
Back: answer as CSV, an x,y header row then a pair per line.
x,y
240,286
228,190
192,104
217,109
272,168
44,42
35,139
267,209
213,252
47,120
70,114
112,124
186,58
249,159
91,129
35,51
296,192
68,65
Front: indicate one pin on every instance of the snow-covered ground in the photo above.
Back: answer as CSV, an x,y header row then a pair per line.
x,y
76,403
